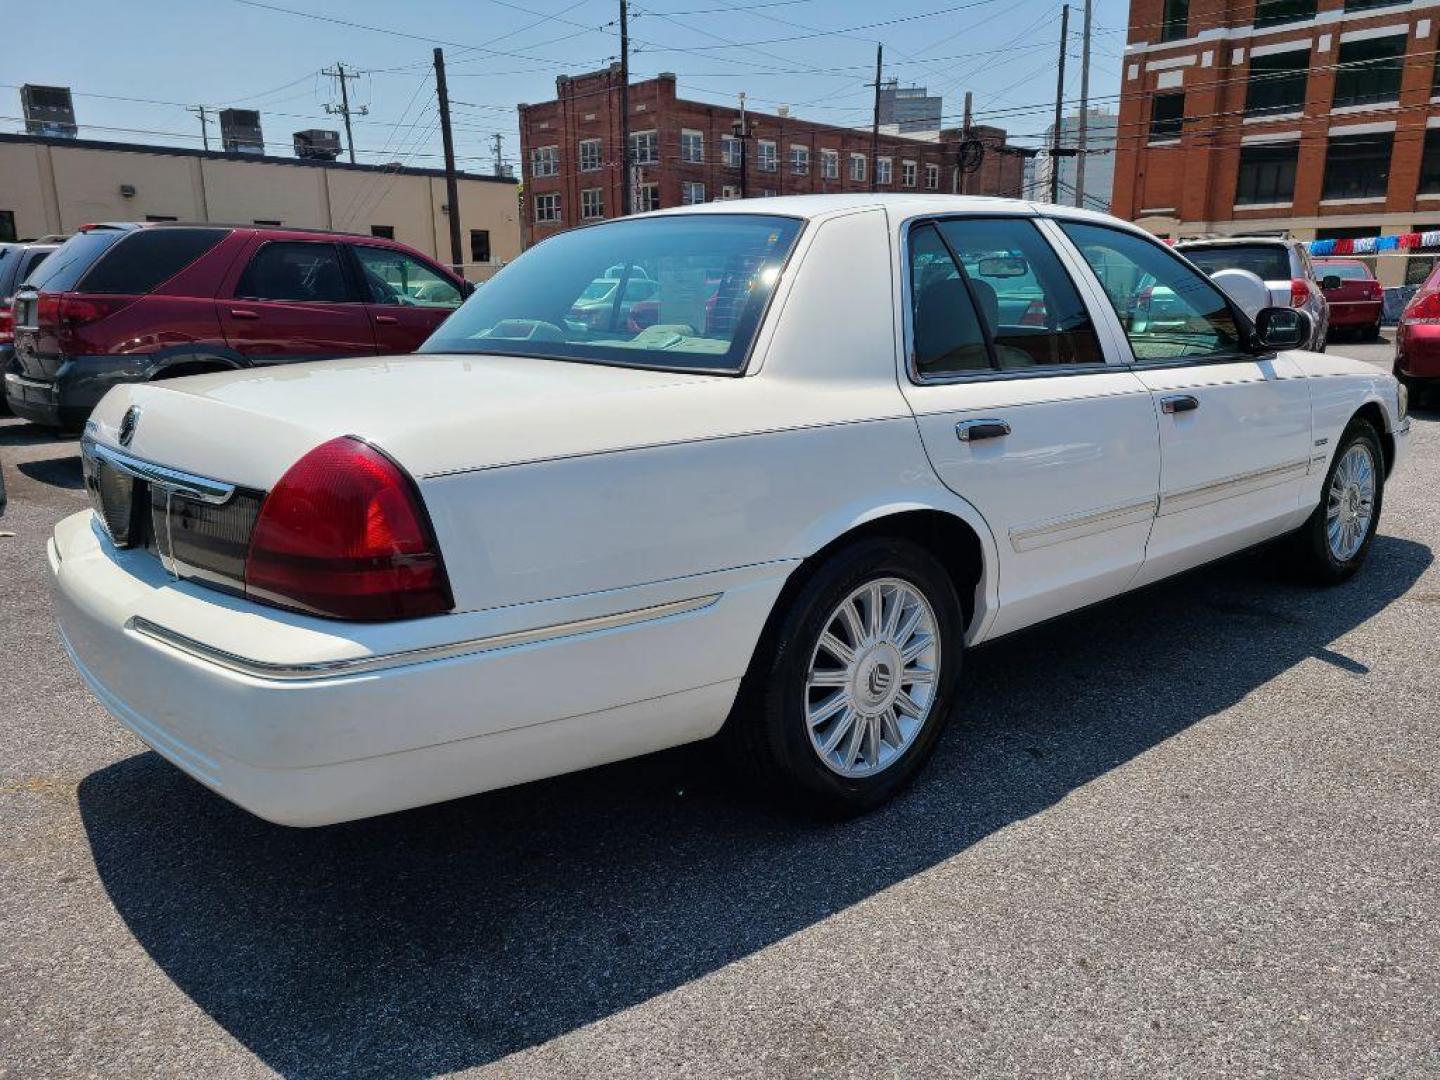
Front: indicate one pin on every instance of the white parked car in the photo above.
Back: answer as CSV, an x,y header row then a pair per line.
x,y
835,460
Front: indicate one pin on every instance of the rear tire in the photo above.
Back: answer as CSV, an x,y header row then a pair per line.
x,y
845,699
1336,538
1371,332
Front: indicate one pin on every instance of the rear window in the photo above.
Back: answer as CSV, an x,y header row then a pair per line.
x,y
147,258
63,269
682,292
31,261
1269,262
1344,271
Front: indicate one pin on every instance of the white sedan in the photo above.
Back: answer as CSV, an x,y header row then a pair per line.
x,y
856,436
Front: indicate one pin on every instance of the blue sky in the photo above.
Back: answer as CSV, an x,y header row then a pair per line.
x,y
500,52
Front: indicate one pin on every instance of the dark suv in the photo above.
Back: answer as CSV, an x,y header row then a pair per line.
x,y
17,261
130,302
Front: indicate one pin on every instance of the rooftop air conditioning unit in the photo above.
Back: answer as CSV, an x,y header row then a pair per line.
x,y
48,111
240,131
317,144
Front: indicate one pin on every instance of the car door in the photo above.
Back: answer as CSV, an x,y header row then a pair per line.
x,y
295,300
406,299
1027,410
1234,424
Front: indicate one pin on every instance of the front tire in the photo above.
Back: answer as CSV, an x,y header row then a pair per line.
x,y
1336,538
853,682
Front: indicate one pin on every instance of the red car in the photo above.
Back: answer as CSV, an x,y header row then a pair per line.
x,y
1417,339
132,302
1356,299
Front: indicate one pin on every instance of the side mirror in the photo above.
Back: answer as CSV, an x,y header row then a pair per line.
x,y
1330,281
1282,328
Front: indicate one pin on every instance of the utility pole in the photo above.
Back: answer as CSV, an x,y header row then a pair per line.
x,y
1059,100
626,188
343,108
1081,134
742,131
452,190
499,154
964,136
875,124
201,111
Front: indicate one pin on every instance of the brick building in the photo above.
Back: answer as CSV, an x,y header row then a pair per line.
x,y
686,151
1316,117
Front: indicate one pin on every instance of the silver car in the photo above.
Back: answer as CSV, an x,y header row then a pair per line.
x,y
1283,264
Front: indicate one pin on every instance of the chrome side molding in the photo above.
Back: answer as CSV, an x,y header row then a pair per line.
x,y
360,665
174,481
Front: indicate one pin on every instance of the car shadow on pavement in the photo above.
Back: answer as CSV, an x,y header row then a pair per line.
x,y
451,936
62,472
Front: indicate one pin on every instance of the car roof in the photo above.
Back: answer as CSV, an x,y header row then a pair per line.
x,y
902,205
1235,241
288,230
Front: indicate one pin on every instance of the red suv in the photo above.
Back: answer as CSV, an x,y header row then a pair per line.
x,y
130,302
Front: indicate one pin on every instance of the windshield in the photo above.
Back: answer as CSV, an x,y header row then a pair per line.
x,y
679,292
1268,262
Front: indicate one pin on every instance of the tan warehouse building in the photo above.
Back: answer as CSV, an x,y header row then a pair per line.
x,y
55,185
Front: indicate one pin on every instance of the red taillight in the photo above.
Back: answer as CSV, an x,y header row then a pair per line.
x,y
7,324
1377,291
343,534
1299,292
1423,307
66,314
1035,313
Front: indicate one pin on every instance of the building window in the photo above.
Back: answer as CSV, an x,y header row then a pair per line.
x,y
592,203
765,157
644,148
692,146
1275,12
1167,116
768,193
830,164
907,173
1267,173
691,193
882,170
384,232
730,150
590,155
480,245
800,160
545,161
1358,166
7,226
932,177
1176,20
857,167
649,197
729,191
1277,83
1430,163
1369,71
271,223
1365,5
172,217
547,207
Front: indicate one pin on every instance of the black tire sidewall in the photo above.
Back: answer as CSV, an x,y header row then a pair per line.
x,y
786,736
1329,566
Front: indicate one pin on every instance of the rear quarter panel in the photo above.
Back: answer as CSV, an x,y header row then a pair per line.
x,y
1340,388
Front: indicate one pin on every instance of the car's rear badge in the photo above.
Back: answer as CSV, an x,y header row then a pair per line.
x,y
128,425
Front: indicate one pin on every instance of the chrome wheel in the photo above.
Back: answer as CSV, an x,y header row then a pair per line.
x,y
1350,505
873,677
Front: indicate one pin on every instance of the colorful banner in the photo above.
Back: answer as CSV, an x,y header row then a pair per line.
x,y
1375,245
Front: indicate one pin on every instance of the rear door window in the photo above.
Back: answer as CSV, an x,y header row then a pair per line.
x,y
296,271
1268,262
72,259
142,260
392,277
1031,309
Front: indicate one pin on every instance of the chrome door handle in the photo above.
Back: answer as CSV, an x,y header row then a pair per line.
x,y
975,430
1179,403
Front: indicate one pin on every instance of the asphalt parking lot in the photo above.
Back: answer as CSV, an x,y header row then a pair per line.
x,y
1192,832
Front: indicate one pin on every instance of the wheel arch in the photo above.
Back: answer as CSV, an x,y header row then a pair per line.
x,y
951,530
1373,412
180,363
